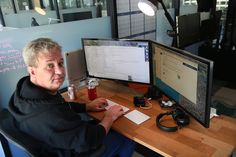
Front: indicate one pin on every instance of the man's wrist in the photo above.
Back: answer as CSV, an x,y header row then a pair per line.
x,y
87,107
106,122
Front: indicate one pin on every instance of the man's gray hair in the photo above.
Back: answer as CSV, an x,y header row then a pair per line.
x,y
40,45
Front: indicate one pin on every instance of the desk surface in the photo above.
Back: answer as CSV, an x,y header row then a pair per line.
x,y
193,140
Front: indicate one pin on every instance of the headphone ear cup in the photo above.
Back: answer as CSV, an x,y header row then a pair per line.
x,y
162,127
180,117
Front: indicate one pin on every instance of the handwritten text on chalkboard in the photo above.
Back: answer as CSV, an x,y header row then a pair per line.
x,y
10,58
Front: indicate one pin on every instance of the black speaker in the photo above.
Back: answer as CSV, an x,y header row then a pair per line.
x,y
153,92
139,101
178,115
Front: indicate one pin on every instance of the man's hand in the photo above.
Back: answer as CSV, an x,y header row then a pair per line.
x,y
110,116
98,104
114,112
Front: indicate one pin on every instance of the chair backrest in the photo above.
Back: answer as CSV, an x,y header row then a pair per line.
x,y
30,145
9,130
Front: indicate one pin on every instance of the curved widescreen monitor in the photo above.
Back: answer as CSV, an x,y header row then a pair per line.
x,y
185,78
125,60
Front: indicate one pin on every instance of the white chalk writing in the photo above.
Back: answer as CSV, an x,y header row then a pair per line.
x,y
10,57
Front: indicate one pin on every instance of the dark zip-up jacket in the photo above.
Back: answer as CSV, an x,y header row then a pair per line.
x,y
49,118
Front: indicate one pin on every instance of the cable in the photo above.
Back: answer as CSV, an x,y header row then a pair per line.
x,y
146,107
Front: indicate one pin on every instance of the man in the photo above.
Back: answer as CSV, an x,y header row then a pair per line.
x,y
43,113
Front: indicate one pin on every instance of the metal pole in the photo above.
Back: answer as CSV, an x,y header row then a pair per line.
x,y
57,10
14,6
2,18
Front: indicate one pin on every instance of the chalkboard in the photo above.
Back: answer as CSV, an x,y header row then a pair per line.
x,y
68,35
10,58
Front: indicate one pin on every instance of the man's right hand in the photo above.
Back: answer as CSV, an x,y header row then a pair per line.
x,y
110,116
114,112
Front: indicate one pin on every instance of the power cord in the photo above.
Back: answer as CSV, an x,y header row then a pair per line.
x,y
148,104
142,102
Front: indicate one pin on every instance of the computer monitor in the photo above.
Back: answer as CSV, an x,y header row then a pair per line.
x,y
76,68
124,60
67,17
188,29
185,78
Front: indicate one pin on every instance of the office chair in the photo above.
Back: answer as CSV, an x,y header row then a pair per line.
x,y
30,145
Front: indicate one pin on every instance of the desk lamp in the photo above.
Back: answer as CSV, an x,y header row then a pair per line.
x,y
148,7
38,8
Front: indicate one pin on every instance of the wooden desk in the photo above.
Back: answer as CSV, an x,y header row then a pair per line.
x,y
191,141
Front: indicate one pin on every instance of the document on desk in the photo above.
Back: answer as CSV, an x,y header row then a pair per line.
x,y
137,117
111,103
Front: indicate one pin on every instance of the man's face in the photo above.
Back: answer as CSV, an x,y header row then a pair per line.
x,y
49,72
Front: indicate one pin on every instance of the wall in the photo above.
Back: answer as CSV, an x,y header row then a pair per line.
x,y
67,34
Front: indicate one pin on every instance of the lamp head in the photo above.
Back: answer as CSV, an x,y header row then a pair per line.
x,y
148,7
40,10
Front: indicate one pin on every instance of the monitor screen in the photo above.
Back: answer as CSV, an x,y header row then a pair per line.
x,y
125,60
188,29
185,78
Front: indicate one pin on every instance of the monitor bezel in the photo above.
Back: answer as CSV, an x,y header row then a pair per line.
x,y
125,81
210,64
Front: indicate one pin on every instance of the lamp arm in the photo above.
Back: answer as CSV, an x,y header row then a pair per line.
x,y
167,14
172,33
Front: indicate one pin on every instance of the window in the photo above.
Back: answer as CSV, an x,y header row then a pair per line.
x,y
189,2
222,4
6,6
24,4
13,11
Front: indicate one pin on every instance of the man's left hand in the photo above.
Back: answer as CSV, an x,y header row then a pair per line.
x,y
98,104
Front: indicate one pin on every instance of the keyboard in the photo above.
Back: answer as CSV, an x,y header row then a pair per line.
x,y
135,116
112,103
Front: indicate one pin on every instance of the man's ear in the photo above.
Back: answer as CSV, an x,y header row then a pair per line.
x,y
31,70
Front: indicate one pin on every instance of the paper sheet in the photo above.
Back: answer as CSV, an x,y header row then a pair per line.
x,y
137,117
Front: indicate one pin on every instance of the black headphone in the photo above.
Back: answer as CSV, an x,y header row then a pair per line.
x,y
178,115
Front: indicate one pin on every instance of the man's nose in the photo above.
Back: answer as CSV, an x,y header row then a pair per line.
x,y
59,69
